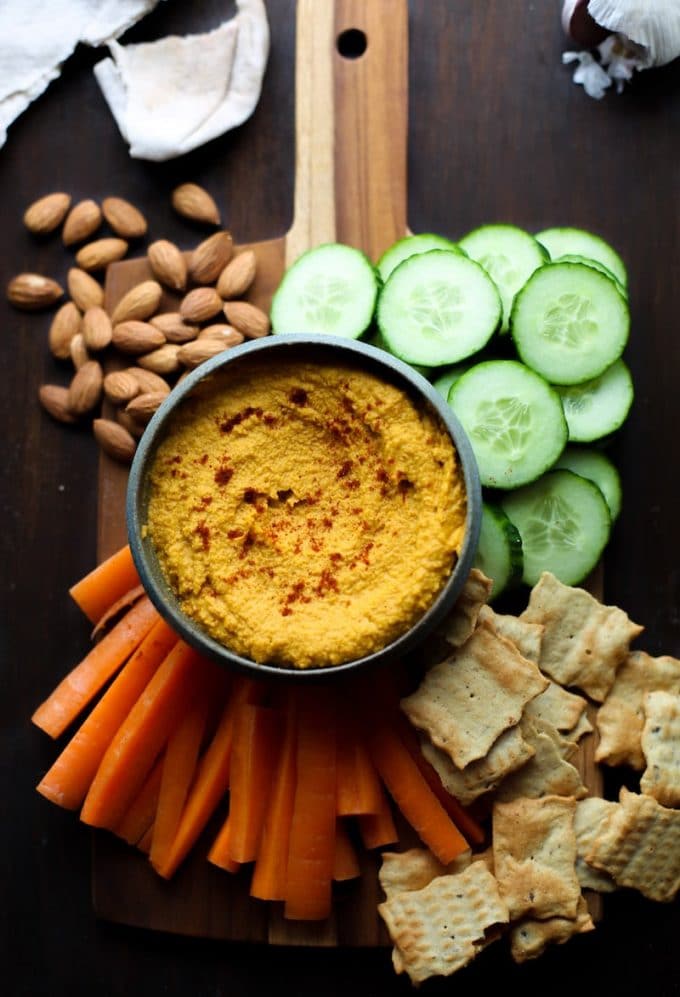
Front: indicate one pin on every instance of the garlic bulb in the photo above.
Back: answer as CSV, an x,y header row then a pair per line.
x,y
654,25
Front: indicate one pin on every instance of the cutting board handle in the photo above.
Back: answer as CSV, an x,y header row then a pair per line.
x,y
351,124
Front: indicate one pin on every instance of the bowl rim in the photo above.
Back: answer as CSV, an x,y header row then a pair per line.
x,y
374,360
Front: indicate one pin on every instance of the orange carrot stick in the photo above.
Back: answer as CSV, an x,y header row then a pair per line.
x,y
212,779
69,779
345,863
219,853
358,789
142,811
144,843
134,749
256,737
83,683
271,867
312,834
413,796
378,830
97,591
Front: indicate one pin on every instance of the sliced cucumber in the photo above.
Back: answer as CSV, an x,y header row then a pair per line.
x,y
411,246
437,308
514,421
569,323
330,289
509,255
598,468
499,554
572,258
564,524
599,407
561,242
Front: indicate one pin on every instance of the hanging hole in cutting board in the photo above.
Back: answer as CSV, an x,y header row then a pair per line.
x,y
352,43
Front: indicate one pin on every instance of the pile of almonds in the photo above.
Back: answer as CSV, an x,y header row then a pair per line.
x,y
159,345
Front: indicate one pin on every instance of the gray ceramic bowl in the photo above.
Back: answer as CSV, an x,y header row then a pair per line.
x,y
331,349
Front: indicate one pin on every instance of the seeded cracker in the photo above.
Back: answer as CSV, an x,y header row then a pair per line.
x,y
661,748
439,929
404,872
583,727
459,625
639,846
621,717
534,848
584,642
547,773
466,702
591,815
526,637
530,938
562,709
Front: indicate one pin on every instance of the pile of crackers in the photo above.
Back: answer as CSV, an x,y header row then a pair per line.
x,y
501,723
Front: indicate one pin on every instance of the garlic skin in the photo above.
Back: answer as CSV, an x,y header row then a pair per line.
x,y
654,26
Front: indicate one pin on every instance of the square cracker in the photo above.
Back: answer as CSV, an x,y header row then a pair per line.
x,y
589,819
439,929
584,642
534,850
506,754
661,748
526,637
620,719
639,847
562,709
404,872
547,773
462,620
530,938
466,702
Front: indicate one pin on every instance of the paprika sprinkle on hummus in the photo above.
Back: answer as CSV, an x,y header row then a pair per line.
x,y
305,514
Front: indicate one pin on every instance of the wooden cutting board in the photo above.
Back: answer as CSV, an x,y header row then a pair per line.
x,y
350,186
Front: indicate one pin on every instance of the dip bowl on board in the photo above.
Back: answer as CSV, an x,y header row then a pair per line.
x,y
329,350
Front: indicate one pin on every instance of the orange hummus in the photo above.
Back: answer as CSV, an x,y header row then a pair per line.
x,y
305,514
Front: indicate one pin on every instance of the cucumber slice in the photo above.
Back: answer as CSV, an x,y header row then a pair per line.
x,y
598,468
330,289
596,265
438,308
509,255
599,407
514,421
499,553
577,242
564,524
411,246
569,323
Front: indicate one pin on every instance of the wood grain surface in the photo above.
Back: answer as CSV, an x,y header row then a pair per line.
x,y
497,131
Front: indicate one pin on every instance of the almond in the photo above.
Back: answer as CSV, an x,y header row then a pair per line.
x,y
114,439
64,326
193,354
210,258
224,333
161,361
174,328
54,399
98,254
168,264
85,389
84,289
82,221
195,203
148,381
47,213
78,350
238,275
142,407
97,329
140,302
136,337
134,428
200,304
32,292
247,318
125,219
120,386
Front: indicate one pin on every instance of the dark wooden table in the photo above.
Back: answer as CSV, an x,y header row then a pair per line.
x,y
497,132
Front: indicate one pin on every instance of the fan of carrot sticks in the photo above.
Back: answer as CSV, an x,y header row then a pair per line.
x,y
173,739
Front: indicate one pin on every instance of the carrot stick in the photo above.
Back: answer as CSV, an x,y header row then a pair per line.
x,y
219,853
69,779
312,834
144,733
413,796
345,863
179,767
212,779
140,815
256,736
378,830
358,790
83,683
144,843
271,867
97,591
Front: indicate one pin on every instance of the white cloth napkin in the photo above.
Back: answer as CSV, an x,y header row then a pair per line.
x,y
37,36
174,94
